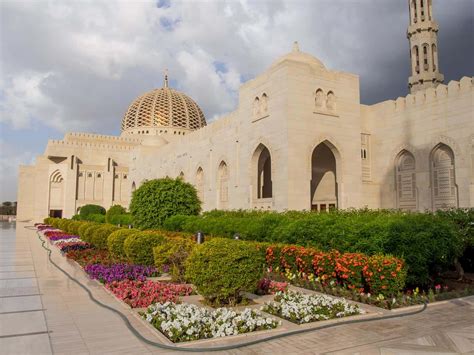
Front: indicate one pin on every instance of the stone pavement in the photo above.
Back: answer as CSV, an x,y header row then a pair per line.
x,y
43,312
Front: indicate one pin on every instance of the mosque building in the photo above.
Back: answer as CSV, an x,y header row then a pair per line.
x,y
299,139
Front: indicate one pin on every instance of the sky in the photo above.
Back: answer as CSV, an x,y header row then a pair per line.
x,y
77,65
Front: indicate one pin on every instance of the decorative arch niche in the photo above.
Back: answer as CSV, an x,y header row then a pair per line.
x,y
262,172
200,183
405,175
223,185
443,177
56,194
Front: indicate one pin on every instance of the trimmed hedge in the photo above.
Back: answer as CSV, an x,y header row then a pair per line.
x,y
122,219
114,211
100,235
116,240
173,253
89,232
221,269
156,200
429,243
86,210
139,246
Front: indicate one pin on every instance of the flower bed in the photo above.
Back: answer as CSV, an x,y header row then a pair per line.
x,y
66,246
301,308
267,286
140,294
119,272
71,239
94,256
185,322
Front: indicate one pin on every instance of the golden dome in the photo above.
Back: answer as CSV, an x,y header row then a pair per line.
x,y
163,107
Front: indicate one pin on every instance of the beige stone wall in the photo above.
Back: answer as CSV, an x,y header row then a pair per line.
x,y
378,156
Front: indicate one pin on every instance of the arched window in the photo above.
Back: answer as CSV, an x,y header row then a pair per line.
x,y
181,176
405,171
415,12
319,99
434,55
262,163
443,178
200,184
223,185
425,57
134,187
417,60
331,101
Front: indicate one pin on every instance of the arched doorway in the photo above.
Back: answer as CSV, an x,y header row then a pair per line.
x,y
324,195
443,178
56,194
405,175
262,176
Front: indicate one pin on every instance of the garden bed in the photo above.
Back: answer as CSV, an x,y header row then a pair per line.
x,y
302,308
187,322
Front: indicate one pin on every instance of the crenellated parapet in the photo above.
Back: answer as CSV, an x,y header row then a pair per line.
x,y
452,91
92,137
53,144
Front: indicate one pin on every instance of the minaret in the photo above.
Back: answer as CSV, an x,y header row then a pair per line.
x,y
423,37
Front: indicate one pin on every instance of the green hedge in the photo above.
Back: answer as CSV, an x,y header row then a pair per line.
x,y
86,210
139,246
100,235
173,253
122,219
114,211
89,232
221,269
429,243
116,240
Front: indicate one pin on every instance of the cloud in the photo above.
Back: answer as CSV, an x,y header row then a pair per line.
x,y
77,65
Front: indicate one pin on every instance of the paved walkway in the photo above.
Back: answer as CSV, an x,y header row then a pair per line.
x,y
42,312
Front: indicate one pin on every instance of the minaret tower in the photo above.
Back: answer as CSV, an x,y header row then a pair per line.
x,y
423,37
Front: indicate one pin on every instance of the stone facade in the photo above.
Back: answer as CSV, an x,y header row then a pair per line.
x,y
299,139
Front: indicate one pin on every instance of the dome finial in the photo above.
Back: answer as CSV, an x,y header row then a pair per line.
x,y
296,47
166,78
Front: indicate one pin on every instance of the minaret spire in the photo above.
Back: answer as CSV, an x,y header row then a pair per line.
x,y
422,35
166,79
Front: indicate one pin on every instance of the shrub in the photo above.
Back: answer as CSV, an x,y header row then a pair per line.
x,y
113,211
139,246
89,232
116,240
73,227
63,224
175,223
173,253
222,268
156,200
98,218
100,235
82,229
122,219
91,209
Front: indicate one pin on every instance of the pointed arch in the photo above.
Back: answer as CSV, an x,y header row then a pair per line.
x,y
331,101
181,175
200,183
319,98
262,172
56,194
324,187
134,187
223,185
443,177
405,181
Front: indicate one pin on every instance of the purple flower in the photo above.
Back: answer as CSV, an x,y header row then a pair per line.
x,y
119,272
60,237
